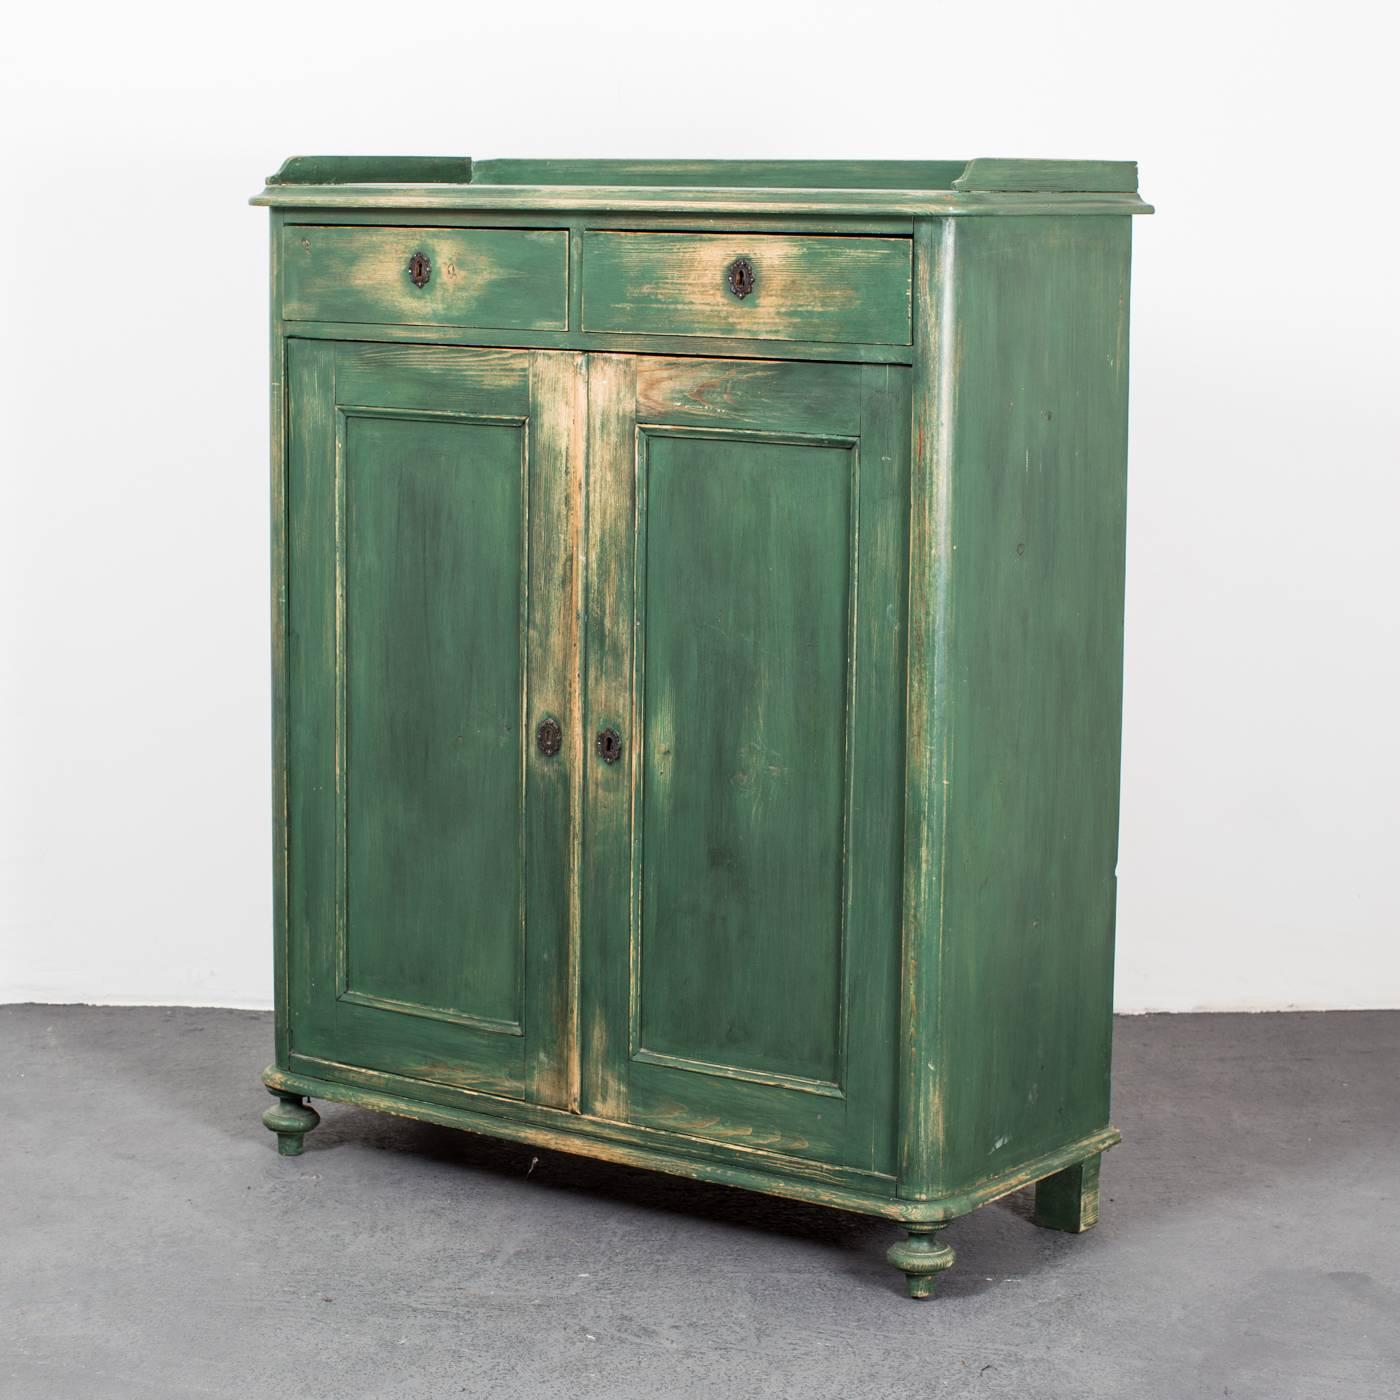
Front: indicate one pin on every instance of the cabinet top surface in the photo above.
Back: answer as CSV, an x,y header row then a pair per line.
x,y
857,188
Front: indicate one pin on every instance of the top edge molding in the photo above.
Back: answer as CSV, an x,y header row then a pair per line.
x,y
979,186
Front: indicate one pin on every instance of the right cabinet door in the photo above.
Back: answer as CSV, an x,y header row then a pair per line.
x,y
744,688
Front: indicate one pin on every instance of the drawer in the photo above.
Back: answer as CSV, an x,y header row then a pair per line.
x,y
503,279
751,286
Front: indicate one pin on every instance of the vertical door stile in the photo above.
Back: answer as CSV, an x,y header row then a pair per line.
x,y
557,424
309,584
574,742
608,668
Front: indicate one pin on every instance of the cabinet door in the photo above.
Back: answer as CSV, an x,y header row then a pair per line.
x,y
431,629
747,543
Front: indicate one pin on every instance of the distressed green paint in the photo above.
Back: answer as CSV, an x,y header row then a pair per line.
x,y
847,578
757,174
433,747
701,203
1069,1200
743,792
1050,176
414,785
513,279
291,1118
921,1258
751,1166
605,891
1038,440
741,899
1071,176
850,290
352,170
557,416
929,188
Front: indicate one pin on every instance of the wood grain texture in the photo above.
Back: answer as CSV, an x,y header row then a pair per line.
x,y
922,1054
749,1167
747,396
755,174
433,378
277,501
603,342
1038,440
307,582
758,803
733,1151
356,170
553,810
744,789
984,174
501,278
1085,176
411,478
433,558
1050,176
815,221
824,289
699,201
1069,1200
606,889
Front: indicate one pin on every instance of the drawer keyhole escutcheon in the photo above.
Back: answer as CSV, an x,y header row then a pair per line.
x,y
741,277
549,738
609,745
419,269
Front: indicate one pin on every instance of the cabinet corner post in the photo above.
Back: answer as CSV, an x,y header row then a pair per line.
x,y
922,1055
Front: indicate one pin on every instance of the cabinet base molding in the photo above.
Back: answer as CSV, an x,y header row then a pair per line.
x,y
665,1152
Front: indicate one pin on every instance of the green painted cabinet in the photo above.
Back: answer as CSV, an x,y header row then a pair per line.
x,y
697,635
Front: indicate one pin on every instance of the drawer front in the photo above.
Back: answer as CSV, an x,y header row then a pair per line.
x,y
502,279
751,286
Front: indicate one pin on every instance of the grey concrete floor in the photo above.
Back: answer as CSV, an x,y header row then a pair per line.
x,y
152,1243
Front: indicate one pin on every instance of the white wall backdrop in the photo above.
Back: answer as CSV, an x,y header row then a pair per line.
x,y
1261,768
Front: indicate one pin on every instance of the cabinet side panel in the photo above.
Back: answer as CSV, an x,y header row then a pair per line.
x,y
277,400
1033,719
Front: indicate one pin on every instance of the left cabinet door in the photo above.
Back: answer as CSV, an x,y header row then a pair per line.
x,y
429,579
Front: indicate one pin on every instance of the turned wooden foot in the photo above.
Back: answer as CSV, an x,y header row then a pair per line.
x,y
1069,1200
921,1258
291,1118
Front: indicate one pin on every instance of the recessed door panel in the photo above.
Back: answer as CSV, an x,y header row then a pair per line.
x,y
433,615
744,582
